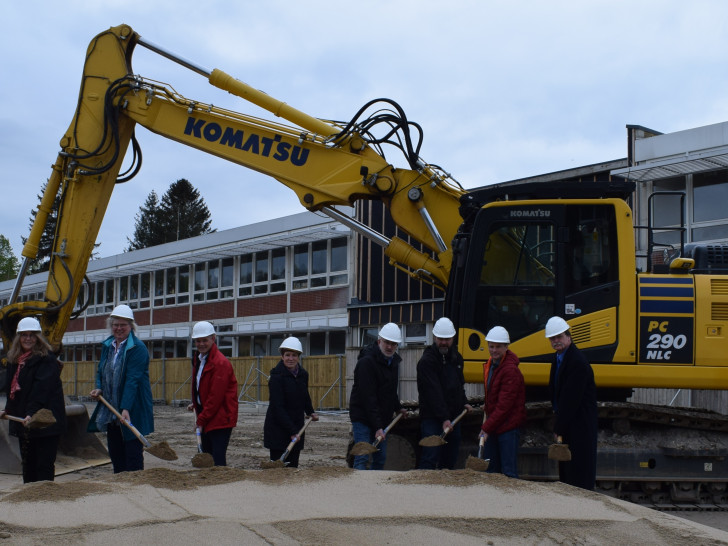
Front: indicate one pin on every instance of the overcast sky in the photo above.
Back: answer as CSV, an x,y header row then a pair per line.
x,y
503,90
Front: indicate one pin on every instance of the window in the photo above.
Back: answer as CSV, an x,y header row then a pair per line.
x,y
710,193
134,290
337,342
320,264
666,211
172,286
224,342
263,272
415,333
102,293
213,280
317,343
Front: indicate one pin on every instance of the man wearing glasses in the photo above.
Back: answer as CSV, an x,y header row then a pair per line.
x,y
375,395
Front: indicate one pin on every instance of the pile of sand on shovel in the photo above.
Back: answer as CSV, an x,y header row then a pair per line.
x,y
476,463
163,451
362,448
272,464
432,441
41,419
203,460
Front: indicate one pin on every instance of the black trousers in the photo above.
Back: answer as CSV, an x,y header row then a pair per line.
x,y
38,457
216,443
126,456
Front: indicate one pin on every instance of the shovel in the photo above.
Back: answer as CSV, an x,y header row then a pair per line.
x,y
478,463
202,459
161,450
365,448
280,463
436,441
559,451
40,419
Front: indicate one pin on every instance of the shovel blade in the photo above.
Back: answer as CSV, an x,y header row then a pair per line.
x,y
476,463
432,441
363,448
559,452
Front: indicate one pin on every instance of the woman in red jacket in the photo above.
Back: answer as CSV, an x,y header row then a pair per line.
x,y
505,404
214,393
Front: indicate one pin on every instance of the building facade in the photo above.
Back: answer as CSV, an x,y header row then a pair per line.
x,y
257,284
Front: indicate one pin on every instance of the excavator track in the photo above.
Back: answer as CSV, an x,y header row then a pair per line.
x,y
662,457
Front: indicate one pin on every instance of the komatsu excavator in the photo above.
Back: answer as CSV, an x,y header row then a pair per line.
x,y
510,256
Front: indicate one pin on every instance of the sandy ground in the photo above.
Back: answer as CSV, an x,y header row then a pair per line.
x,y
323,502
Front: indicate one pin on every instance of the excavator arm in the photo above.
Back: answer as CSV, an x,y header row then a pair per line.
x,y
325,163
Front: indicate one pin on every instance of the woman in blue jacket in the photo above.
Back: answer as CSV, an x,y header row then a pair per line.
x,y
122,379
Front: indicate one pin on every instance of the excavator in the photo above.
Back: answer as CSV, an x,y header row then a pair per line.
x,y
504,255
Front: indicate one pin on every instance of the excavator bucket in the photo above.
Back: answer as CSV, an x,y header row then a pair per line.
x,y
77,449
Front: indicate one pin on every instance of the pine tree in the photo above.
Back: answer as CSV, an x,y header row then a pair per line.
x,y
45,245
9,263
180,214
184,211
147,222
42,261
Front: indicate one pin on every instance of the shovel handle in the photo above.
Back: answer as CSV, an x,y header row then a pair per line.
x,y
13,418
386,430
293,442
198,433
131,427
453,423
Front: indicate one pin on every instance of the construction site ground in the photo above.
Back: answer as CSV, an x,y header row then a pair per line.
x,y
322,502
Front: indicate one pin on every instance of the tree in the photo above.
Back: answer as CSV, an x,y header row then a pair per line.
x,y
45,246
9,264
181,214
146,225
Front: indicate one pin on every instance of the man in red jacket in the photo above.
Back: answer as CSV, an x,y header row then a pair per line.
x,y
214,393
505,404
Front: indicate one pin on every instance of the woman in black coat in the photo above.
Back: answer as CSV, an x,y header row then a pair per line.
x,y
34,383
574,400
289,401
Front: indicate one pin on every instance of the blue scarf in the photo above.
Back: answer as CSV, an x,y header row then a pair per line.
x,y
111,382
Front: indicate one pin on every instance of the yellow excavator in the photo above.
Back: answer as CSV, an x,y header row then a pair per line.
x,y
507,255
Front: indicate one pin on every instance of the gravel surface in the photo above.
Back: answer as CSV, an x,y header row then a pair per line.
x,y
323,502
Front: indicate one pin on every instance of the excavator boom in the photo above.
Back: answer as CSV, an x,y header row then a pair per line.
x,y
325,163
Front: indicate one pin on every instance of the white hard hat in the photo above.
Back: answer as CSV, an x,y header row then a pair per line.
x,y
444,328
498,334
202,329
556,326
291,344
28,324
123,311
391,332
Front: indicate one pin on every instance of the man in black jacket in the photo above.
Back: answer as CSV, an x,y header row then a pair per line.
x,y
375,395
440,384
574,400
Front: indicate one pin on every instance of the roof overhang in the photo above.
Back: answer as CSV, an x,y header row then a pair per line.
x,y
678,154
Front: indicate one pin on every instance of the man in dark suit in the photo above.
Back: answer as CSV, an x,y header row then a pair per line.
x,y
573,396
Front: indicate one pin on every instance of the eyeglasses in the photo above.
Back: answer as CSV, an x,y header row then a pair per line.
x,y
27,334
120,325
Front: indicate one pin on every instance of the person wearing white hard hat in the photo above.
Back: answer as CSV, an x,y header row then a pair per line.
x,y
122,378
441,389
35,384
214,393
574,401
288,402
375,395
505,404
